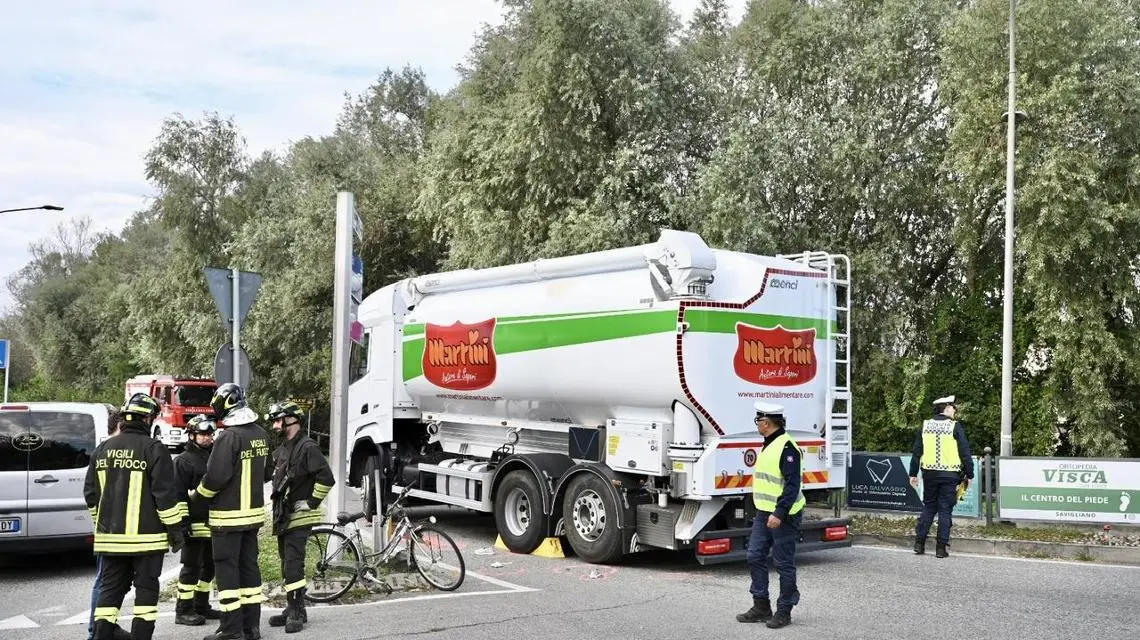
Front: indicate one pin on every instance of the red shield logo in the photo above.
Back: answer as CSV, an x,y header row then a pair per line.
x,y
774,357
460,357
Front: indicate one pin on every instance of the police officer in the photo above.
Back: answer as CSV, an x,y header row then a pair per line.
x,y
233,487
943,453
130,492
779,502
301,480
193,608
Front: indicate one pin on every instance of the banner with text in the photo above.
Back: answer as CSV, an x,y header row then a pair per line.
x,y
882,481
1069,489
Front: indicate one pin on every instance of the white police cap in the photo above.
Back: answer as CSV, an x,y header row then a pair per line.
x,y
768,409
945,400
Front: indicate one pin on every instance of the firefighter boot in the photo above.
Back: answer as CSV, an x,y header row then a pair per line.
x,y
293,622
142,629
919,546
940,551
301,605
782,618
231,620
280,619
184,614
202,606
252,634
761,611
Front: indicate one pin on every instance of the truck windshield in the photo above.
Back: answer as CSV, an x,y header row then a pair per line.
x,y
193,396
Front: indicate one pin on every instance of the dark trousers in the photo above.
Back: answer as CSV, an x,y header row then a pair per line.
x,y
239,580
118,572
95,596
291,548
938,493
781,542
196,575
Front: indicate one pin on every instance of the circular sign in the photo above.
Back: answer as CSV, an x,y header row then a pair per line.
x,y
749,457
27,442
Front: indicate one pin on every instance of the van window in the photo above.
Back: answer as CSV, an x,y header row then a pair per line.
x,y
11,457
68,438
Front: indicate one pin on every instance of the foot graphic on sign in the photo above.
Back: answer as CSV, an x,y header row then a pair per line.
x,y
1124,500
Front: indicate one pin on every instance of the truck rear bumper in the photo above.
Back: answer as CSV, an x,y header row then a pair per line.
x,y
731,545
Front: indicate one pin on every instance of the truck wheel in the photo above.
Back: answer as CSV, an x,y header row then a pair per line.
x,y
518,512
157,432
590,515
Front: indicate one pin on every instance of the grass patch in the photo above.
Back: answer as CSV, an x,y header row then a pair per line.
x,y
904,527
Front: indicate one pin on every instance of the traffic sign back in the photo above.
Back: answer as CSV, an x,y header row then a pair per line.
x,y
249,283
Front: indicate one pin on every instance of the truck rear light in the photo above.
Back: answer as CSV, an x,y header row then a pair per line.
x,y
13,407
714,547
831,534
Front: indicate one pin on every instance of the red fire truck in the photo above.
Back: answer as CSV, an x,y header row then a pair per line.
x,y
181,398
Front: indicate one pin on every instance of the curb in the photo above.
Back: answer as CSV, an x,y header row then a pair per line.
x,y
1019,548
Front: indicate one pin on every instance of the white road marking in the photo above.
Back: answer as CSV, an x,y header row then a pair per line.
x,y
436,596
18,622
1011,558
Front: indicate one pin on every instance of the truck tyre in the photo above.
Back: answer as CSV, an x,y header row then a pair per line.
x,y
590,517
519,515
157,432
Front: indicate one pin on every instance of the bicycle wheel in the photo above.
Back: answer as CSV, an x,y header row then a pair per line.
x,y
430,549
332,563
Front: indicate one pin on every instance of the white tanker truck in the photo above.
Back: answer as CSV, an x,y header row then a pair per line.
x,y
605,397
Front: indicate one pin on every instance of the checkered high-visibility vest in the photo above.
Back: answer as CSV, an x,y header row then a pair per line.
x,y
768,482
939,448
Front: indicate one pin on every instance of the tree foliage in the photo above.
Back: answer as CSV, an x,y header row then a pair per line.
x,y
867,127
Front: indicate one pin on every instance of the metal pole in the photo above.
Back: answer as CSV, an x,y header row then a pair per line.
x,y
987,487
338,416
235,322
1007,319
7,368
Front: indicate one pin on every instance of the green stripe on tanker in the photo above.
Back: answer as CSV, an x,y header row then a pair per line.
x,y
522,333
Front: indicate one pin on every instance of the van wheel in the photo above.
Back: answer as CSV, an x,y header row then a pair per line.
x,y
590,515
519,515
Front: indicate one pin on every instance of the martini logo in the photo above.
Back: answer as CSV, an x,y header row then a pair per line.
x,y
460,357
775,357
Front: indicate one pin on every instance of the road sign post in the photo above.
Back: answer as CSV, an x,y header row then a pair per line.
x,y
6,363
234,292
348,227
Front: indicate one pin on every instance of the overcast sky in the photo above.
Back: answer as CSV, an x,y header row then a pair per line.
x,y
85,84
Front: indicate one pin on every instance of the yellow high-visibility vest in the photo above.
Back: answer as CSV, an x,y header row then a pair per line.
x,y
939,448
768,482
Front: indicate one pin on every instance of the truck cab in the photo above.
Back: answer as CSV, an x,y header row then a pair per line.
x,y
180,399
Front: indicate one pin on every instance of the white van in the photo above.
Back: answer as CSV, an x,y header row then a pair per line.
x,y
45,448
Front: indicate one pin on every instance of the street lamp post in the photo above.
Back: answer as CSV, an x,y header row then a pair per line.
x,y
45,207
1007,319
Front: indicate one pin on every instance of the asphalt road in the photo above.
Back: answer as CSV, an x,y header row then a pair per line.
x,y
862,592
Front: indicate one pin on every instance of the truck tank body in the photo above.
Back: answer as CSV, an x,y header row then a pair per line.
x,y
588,348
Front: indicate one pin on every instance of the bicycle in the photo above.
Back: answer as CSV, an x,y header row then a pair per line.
x,y
338,553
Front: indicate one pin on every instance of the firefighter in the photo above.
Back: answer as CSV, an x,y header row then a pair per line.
x,y
233,487
779,501
193,608
301,480
130,492
943,453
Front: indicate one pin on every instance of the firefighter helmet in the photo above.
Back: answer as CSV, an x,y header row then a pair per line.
x,y
201,426
140,407
281,410
227,399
